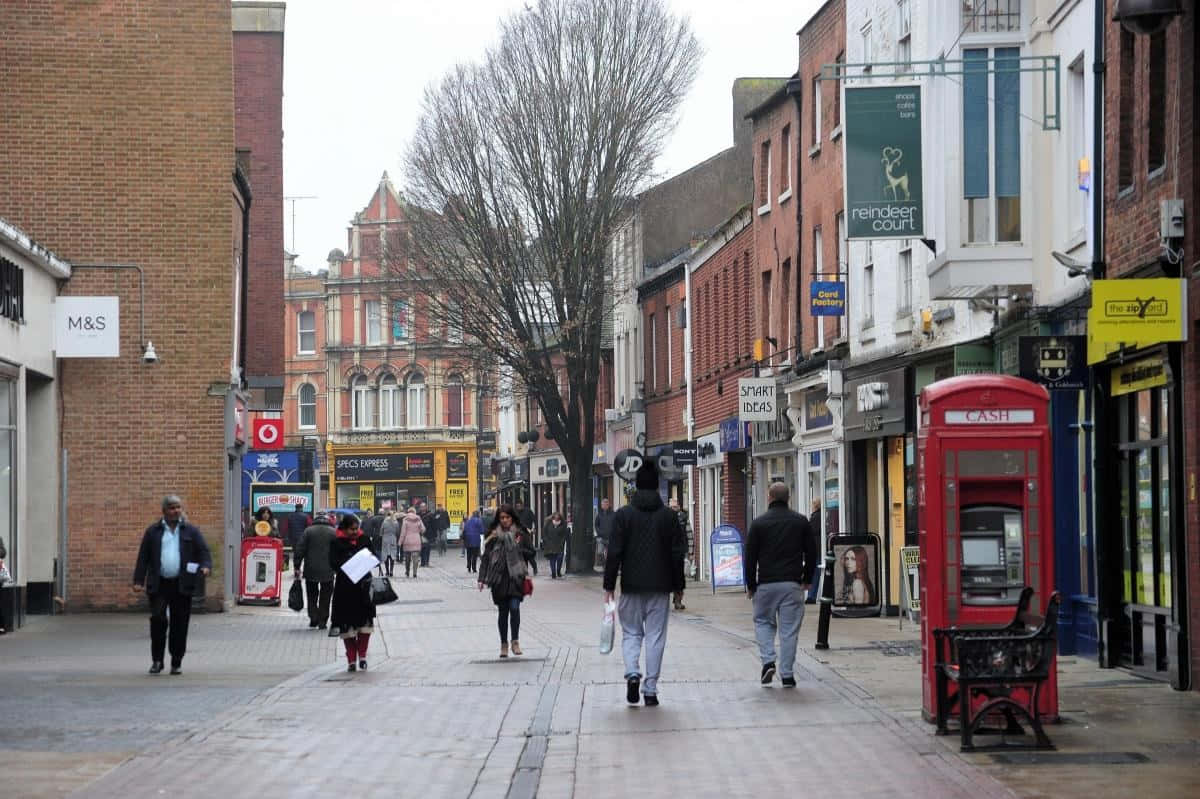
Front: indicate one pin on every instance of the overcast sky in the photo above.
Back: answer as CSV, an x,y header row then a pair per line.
x,y
354,72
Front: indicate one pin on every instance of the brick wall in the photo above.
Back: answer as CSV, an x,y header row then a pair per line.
x,y
1132,224
666,397
118,147
258,94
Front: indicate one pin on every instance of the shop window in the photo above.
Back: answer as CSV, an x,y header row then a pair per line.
x,y
1125,105
764,177
816,112
785,166
904,297
308,406
904,33
401,327
416,401
991,16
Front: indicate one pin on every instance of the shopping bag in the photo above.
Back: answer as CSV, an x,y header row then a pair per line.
x,y
296,596
608,626
527,587
382,591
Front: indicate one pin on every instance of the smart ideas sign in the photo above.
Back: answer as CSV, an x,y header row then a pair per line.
x,y
87,327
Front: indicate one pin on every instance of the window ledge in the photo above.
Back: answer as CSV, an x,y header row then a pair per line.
x,y
867,335
836,133
764,209
302,353
1124,192
1157,172
815,150
787,195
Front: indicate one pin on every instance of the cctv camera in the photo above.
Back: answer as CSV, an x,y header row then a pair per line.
x,y
149,355
1146,17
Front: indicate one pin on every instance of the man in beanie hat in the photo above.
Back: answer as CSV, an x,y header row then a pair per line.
x,y
647,547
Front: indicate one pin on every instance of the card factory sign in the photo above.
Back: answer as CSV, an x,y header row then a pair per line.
x,y
883,162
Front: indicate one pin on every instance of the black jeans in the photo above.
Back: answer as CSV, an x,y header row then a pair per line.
x,y
555,565
509,618
425,547
472,559
319,594
531,561
170,611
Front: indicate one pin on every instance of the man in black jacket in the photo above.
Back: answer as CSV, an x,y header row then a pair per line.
x,y
781,557
313,564
647,547
172,554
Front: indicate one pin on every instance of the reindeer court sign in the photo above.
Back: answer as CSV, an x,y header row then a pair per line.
x,y
883,163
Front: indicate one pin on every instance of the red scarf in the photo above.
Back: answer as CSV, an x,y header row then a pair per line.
x,y
351,535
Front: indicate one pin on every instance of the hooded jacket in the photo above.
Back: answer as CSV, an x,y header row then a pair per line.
x,y
411,530
647,546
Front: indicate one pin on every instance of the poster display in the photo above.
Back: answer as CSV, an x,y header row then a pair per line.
x,y
261,571
456,502
728,564
856,575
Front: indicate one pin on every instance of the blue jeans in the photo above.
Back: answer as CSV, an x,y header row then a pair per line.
x,y
555,565
509,618
785,601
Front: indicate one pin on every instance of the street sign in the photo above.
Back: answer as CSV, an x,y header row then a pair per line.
x,y
883,162
1057,362
756,399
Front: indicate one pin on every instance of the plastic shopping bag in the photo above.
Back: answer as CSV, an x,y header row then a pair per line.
x,y
608,627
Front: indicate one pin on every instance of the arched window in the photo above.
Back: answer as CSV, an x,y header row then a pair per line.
x,y
416,400
454,401
308,406
391,409
364,404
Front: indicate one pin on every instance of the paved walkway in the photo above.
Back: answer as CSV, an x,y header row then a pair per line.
x,y
439,715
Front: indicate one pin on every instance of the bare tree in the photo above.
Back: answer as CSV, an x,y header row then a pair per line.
x,y
517,177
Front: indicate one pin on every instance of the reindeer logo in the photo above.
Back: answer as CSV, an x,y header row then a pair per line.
x,y
896,183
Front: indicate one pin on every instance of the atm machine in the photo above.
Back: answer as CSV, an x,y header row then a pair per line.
x,y
985,509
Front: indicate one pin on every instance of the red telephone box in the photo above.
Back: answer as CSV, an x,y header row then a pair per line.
x,y
986,518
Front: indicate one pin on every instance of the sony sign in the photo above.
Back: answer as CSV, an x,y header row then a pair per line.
x,y
87,327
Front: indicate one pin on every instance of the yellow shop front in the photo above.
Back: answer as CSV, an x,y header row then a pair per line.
x,y
384,477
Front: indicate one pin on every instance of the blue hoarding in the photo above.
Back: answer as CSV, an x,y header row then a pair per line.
x,y
275,466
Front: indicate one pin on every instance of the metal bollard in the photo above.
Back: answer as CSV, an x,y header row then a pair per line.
x,y
826,600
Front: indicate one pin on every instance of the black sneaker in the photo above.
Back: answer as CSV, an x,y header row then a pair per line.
x,y
768,673
362,665
651,700
788,682
156,667
632,687
176,668
352,667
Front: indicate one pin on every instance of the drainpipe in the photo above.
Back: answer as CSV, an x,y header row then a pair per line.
x,y
693,500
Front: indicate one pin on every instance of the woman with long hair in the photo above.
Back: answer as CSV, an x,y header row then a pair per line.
x,y
857,588
504,569
353,614
265,514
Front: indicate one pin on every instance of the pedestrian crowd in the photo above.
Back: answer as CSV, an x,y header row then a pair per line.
x,y
643,545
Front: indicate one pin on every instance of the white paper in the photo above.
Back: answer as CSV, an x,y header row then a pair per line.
x,y
358,566
192,568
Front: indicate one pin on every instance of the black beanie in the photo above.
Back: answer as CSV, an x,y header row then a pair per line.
x,y
647,476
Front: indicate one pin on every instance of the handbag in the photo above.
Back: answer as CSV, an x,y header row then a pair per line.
x,y
296,596
382,591
527,587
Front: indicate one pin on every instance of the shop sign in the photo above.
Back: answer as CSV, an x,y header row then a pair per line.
x,y
1056,362
827,298
486,440
552,467
456,464
520,468
816,410
599,454
708,450
280,466
756,399
626,464
684,453
281,498
456,502
1135,312
735,434
87,327
406,466
875,406
1139,375
973,359
883,162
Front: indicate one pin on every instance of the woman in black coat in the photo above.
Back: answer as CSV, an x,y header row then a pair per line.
x,y
503,568
353,613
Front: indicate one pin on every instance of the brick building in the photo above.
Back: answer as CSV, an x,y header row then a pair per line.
x,y
138,171
258,113
387,385
1148,573
721,317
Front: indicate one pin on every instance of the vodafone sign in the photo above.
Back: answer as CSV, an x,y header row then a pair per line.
x,y
268,434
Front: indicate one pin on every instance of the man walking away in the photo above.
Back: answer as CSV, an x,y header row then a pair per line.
x,y
172,554
312,563
781,555
441,521
647,547
603,527
372,528
427,532
297,523
472,538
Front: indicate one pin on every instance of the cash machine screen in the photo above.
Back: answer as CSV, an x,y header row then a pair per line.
x,y
993,554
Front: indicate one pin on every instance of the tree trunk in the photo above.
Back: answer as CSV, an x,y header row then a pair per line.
x,y
583,544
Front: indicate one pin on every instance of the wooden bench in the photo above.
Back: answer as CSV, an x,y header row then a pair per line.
x,y
993,661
